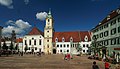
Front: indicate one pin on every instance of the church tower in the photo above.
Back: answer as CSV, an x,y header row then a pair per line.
x,y
48,34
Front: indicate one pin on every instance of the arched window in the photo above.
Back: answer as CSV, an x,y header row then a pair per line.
x,y
63,39
71,39
56,39
86,38
48,20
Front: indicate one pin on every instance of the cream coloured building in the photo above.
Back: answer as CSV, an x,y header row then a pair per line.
x,y
48,34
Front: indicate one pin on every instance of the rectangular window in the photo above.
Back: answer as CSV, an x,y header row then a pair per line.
x,y
101,27
83,45
118,41
101,43
60,50
106,42
113,22
25,42
35,48
101,35
57,45
119,20
83,50
106,33
67,50
119,29
61,45
29,42
113,31
39,41
64,45
106,25
73,45
34,42
97,36
87,45
67,45
113,41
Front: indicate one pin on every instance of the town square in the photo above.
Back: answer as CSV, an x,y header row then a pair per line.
x,y
59,34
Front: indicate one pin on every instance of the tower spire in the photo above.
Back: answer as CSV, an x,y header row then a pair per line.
x,y
49,14
49,11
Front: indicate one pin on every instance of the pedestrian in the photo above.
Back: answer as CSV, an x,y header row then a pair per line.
x,y
107,65
117,57
65,57
68,56
94,66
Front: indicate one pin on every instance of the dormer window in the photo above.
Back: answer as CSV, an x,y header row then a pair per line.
x,y
56,39
71,39
108,17
86,38
63,39
118,11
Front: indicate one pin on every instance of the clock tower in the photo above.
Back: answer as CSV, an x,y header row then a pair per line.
x,y
48,34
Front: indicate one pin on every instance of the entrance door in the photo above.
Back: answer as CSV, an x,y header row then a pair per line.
x,y
32,50
54,51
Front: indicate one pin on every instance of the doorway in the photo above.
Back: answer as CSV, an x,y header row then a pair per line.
x,y
54,51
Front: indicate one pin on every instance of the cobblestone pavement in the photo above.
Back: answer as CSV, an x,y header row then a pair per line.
x,y
46,62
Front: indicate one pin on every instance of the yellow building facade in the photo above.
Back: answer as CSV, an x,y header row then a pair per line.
x,y
48,34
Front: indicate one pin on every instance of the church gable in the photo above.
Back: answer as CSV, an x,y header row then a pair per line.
x,y
35,31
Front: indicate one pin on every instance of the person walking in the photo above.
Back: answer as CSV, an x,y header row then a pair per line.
x,y
107,65
68,56
94,66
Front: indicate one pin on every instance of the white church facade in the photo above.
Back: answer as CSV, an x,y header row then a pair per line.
x,y
33,40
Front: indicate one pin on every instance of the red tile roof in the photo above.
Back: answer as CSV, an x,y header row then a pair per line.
x,y
35,31
112,15
76,35
19,40
85,33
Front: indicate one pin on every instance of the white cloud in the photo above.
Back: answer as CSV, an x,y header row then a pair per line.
x,y
7,3
26,1
10,22
41,16
19,26
22,24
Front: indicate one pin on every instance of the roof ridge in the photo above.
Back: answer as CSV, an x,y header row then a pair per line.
x,y
35,31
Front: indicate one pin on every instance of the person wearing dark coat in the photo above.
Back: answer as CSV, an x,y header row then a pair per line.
x,y
94,66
